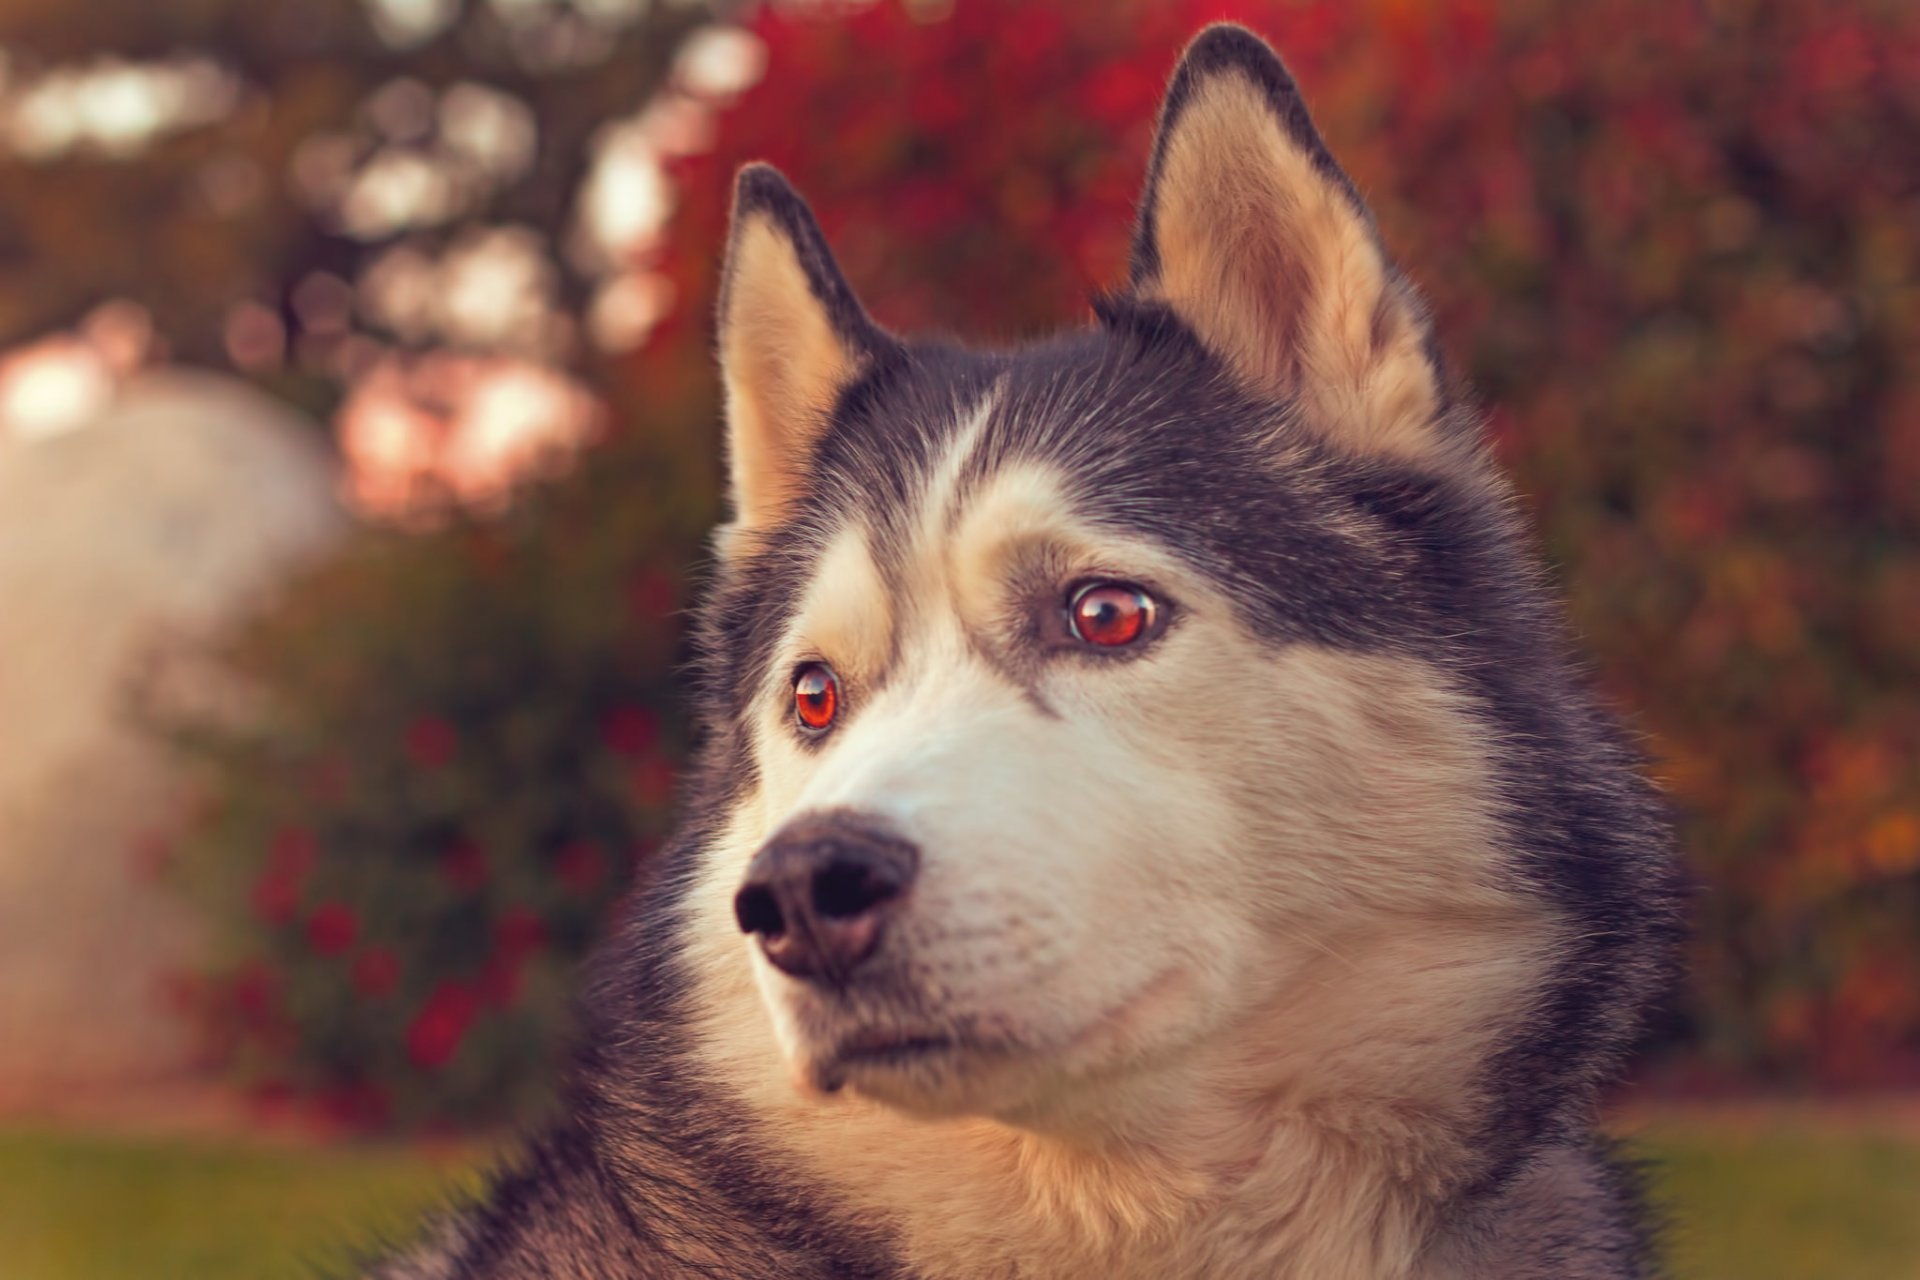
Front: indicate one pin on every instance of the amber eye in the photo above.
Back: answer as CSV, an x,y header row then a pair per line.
x,y
816,697
1110,614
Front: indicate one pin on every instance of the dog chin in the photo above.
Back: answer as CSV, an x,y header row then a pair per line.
x,y
927,1073
924,1067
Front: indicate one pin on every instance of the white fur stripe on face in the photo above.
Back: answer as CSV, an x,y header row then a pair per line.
x,y
942,491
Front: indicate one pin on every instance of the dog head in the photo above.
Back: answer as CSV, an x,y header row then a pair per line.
x,y
1091,710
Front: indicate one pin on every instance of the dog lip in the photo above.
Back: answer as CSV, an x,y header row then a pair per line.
x,y
883,1046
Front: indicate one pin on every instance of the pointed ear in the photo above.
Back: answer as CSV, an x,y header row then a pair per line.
x,y
792,338
1252,234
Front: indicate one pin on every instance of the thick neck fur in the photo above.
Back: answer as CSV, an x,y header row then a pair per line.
x,y
1316,1144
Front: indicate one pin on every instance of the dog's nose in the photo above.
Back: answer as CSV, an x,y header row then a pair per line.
x,y
817,895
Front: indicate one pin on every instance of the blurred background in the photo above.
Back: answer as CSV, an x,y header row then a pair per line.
x,y
358,438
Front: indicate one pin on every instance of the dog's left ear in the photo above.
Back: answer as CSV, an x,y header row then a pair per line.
x,y
792,339
1254,236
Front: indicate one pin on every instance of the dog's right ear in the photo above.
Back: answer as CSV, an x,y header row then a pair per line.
x,y
1252,234
792,339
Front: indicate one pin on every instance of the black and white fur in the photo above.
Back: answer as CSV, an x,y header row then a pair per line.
x,y
1295,943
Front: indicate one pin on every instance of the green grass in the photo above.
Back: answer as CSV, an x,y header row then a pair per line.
x,y
1777,1203
1788,1204
84,1208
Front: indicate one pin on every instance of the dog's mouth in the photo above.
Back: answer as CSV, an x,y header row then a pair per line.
x,y
884,1053
886,1047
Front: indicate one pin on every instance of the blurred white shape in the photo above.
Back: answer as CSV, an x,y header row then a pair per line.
x,y
121,105
564,40
626,308
463,427
322,169
518,420
627,196
407,22
720,61
52,387
122,332
398,188
324,303
45,121
133,539
493,131
402,110
676,125
399,291
496,288
390,444
256,337
116,107
613,13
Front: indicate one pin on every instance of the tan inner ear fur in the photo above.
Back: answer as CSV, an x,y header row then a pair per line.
x,y
783,365
1275,269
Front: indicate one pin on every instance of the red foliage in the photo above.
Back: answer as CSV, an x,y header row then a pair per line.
x,y
653,781
332,928
255,990
629,731
518,933
581,867
376,972
500,983
276,896
431,741
464,864
420,825
437,1030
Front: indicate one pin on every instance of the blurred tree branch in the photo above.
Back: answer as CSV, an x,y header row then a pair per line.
x,y
199,221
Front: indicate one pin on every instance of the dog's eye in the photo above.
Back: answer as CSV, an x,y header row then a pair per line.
x,y
1110,614
816,697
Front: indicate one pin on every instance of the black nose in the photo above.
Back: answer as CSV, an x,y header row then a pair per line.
x,y
818,893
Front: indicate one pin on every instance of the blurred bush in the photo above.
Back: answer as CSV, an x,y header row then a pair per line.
x,y
1674,247
456,747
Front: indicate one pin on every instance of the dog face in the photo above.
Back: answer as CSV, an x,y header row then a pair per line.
x,y
1091,709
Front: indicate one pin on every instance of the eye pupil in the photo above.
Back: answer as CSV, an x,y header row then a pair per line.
x,y
816,696
1110,614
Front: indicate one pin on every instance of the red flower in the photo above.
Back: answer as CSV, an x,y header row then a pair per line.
x,y
629,730
431,741
255,990
500,983
519,932
276,896
653,781
376,972
651,594
357,1105
332,928
437,1030
464,864
294,851
327,779
580,867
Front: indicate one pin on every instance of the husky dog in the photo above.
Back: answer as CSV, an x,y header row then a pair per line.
x,y
1150,823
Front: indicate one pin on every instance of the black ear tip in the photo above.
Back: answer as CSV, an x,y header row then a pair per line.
x,y
759,185
1228,46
